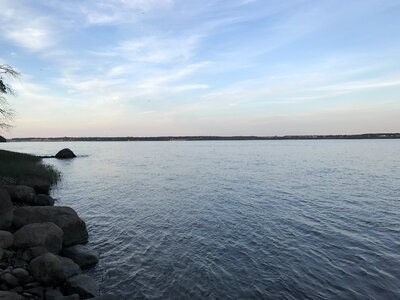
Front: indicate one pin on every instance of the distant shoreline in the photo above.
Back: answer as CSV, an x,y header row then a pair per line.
x,y
211,138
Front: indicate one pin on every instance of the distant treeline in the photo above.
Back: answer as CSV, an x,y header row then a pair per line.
x,y
212,138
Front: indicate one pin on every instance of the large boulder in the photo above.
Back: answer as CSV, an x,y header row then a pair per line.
x,y
21,193
47,235
47,269
6,209
66,218
6,239
40,184
83,285
84,256
70,268
43,200
65,154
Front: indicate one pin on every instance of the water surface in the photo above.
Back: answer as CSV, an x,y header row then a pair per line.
x,y
238,219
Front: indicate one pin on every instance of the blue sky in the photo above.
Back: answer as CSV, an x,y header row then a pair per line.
x,y
210,67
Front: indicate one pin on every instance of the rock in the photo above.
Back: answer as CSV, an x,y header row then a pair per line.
x,y
47,235
33,252
8,253
9,296
70,268
65,154
6,209
21,274
54,294
2,139
105,297
37,292
9,279
6,239
66,218
40,184
43,200
82,285
84,256
47,269
21,193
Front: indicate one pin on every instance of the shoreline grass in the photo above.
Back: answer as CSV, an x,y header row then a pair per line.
x,y
16,165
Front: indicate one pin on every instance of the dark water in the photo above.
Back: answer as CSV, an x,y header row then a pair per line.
x,y
238,220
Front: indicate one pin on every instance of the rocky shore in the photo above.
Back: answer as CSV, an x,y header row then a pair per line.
x,y
43,251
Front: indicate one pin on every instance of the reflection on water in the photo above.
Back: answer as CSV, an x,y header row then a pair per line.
x,y
238,219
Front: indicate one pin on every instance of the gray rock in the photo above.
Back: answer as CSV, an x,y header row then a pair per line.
x,y
9,279
66,218
47,269
83,255
6,239
82,285
43,200
9,296
37,292
21,274
47,235
8,253
105,297
55,294
70,268
6,209
40,184
21,193
65,154
52,294
33,252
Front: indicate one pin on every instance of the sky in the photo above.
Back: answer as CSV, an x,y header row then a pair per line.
x,y
202,67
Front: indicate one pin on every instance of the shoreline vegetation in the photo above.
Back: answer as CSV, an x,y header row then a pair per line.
x,y
210,138
43,249
15,166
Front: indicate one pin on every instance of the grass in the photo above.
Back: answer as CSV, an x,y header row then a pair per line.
x,y
16,165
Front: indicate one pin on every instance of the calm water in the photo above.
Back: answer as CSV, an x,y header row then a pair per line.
x,y
238,220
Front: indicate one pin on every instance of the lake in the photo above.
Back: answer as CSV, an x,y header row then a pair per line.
x,y
237,219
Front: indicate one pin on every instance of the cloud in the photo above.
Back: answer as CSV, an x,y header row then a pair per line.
x,y
24,27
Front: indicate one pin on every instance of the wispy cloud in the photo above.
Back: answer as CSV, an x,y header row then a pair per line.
x,y
25,27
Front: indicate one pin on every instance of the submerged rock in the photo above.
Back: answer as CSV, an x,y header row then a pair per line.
x,y
6,209
47,269
47,235
83,255
65,154
83,285
66,218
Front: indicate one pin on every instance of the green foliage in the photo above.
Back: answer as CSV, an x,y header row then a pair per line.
x,y
16,165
